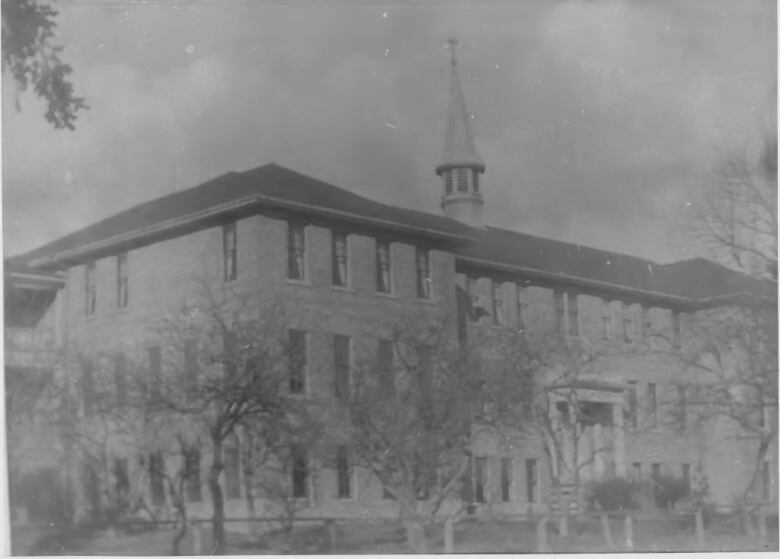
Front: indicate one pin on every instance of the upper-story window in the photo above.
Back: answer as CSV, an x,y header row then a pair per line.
x,y
448,181
121,280
499,314
342,364
475,179
521,310
567,314
463,180
629,323
646,324
340,254
384,268
385,361
229,254
423,273
296,251
652,404
676,330
90,295
297,349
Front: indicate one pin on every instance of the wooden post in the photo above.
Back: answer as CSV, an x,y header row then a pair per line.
x,y
542,546
629,530
449,536
700,526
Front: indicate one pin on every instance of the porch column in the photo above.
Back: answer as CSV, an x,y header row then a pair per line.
x,y
619,440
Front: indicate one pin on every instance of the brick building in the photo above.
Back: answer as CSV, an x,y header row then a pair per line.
x,y
349,268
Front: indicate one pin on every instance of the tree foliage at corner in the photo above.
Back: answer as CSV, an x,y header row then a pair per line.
x,y
32,57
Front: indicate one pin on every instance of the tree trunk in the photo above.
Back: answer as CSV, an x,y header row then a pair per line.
x,y
217,500
249,480
181,533
416,537
607,530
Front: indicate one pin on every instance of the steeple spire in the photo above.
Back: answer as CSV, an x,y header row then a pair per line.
x,y
460,164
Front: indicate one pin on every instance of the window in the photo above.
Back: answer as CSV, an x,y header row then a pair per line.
x,y
423,274
300,472
766,480
191,369
385,362
296,251
480,479
342,362
520,308
506,480
658,490
87,386
121,280
475,178
686,476
192,474
154,361
340,258
531,480
297,362
646,322
636,472
632,404
682,406
676,330
232,470
629,333
229,254
121,476
448,181
120,379
606,320
90,296
156,479
498,303
343,473
652,404
572,314
463,180
383,268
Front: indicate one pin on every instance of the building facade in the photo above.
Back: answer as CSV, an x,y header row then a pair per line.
x,y
347,270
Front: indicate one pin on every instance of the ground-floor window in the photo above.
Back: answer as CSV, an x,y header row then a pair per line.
x,y
636,472
232,469
192,474
300,472
531,480
343,473
506,480
657,489
156,480
480,479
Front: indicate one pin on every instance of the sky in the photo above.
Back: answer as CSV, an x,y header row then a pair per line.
x,y
599,121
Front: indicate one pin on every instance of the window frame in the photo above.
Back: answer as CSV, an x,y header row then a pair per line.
x,y
344,473
296,251
298,347
632,393
507,479
481,479
423,273
381,246
531,480
652,405
339,257
229,252
498,302
300,472
342,371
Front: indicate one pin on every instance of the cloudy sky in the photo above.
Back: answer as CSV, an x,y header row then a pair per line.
x,y
599,121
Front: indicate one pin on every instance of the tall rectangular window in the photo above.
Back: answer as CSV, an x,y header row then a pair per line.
x,y
521,308
506,480
120,379
232,472
229,252
385,366
342,363
531,480
499,317
559,308
296,251
300,472
682,406
192,474
423,274
676,330
629,333
121,476
90,295
384,268
480,479
606,320
297,348
154,361
340,255
652,404
88,386
156,478
572,314
636,472
646,323
766,480
191,368
632,404
343,473
121,280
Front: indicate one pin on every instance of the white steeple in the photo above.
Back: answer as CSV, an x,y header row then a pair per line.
x,y
460,164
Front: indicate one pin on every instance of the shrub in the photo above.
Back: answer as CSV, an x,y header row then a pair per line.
x,y
614,494
669,490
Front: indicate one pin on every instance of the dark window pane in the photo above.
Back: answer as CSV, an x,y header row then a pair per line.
x,y
229,252
423,274
343,473
232,469
480,479
342,361
531,480
383,268
297,362
296,251
340,259
300,472
192,475
506,479
156,479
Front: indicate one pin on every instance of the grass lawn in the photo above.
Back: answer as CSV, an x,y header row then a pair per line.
x,y
386,538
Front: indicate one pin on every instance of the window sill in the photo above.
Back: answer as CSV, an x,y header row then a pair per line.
x,y
298,282
343,288
386,295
